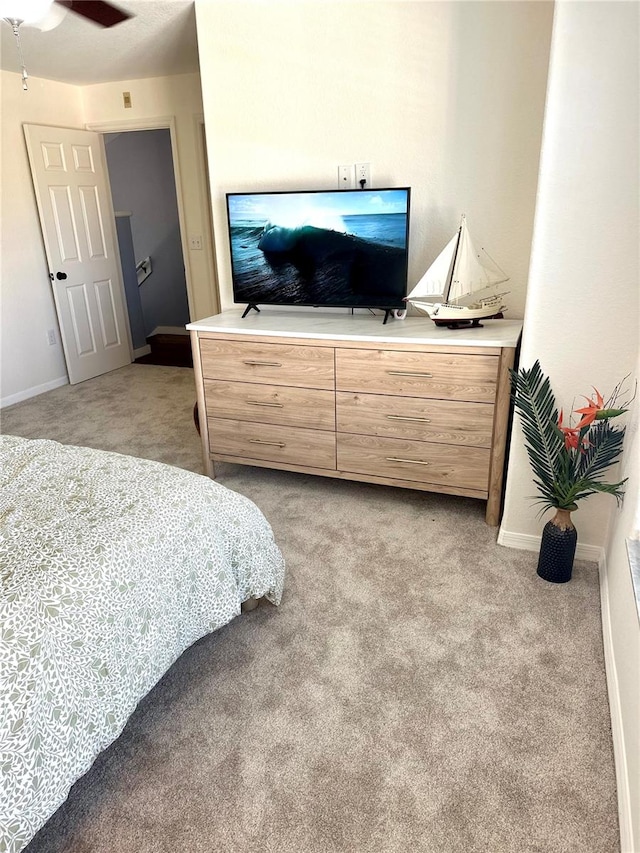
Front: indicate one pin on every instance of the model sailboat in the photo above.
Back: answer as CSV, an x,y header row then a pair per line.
x,y
451,291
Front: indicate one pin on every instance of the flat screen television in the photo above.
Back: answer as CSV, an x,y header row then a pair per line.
x,y
334,248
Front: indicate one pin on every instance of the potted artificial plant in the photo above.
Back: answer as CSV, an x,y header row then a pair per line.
x,y
568,462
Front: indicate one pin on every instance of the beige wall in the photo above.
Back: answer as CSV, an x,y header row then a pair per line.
x,y
29,364
447,98
26,300
582,314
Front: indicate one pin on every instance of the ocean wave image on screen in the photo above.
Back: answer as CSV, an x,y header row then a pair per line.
x,y
363,259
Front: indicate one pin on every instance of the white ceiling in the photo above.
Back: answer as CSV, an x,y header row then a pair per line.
x,y
159,40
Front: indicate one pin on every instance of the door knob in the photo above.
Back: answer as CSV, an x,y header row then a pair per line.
x,y
61,276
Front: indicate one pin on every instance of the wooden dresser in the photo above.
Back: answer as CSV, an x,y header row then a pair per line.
x,y
339,395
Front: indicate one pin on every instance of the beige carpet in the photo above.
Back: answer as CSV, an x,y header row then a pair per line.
x,y
420,688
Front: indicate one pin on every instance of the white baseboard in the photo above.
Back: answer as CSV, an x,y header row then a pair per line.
x,y
12,399
138,353
527,542
521,541
617,731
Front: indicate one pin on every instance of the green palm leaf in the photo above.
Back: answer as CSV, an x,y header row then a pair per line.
x,y
604,448
536,405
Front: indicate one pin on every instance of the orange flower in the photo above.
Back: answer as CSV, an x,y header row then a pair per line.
x,y
572,436
590,412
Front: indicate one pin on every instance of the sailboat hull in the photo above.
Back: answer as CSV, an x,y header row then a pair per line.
x,y
445,314
466,324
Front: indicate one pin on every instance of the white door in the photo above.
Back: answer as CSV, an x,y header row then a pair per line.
x,y
74,204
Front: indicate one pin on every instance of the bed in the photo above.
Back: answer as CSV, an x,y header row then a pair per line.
x,y
110,567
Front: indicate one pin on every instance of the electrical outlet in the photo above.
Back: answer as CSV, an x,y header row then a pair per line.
x,y
346,177
51,337
195,242
363,173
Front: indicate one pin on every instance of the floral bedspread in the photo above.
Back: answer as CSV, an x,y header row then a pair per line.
x,y
110,567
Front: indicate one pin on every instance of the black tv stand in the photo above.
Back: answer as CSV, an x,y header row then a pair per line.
x,y
248,308
388,312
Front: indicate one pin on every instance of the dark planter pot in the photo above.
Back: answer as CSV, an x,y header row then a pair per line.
x,y
558,548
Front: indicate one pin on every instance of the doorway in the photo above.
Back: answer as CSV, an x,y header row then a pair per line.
x,y
144,192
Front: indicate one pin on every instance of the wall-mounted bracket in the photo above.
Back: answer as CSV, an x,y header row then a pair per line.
x,y
143,270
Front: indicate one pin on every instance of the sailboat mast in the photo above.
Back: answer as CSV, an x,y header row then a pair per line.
x,y
455,258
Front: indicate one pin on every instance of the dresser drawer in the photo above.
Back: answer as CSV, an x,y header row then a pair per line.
x,y
417,418
418,374
273,364
287,445
419,461
270,404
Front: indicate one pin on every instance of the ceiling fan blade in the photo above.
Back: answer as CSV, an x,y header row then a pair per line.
x,y
98,11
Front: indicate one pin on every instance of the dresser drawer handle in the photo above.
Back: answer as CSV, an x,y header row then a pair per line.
x,y
409,461
408,418
270,443
263,363
265,403
409,373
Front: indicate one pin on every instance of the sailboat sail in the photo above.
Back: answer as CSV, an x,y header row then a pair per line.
x,y
434,283
473,272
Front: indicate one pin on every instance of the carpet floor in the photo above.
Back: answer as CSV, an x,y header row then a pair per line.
x,y
419,688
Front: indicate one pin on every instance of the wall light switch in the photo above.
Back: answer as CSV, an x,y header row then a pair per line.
x,y
126,97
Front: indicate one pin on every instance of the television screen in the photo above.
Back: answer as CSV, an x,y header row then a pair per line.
x,y
320,247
